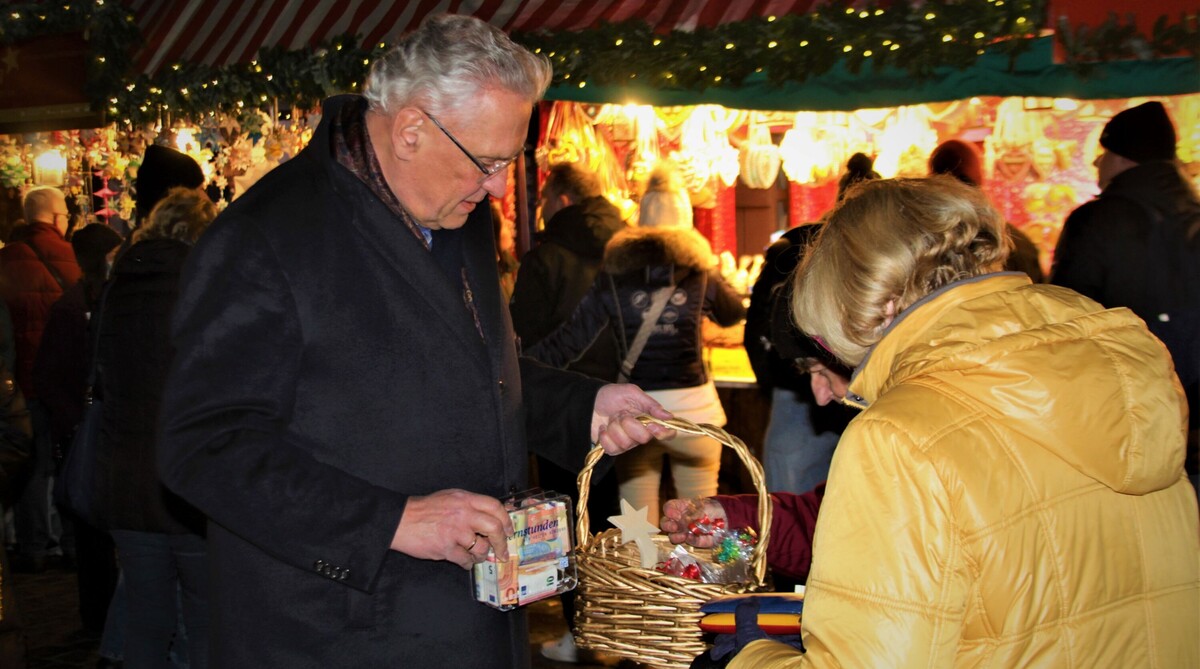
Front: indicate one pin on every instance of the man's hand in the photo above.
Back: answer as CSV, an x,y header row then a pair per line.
x,y
453,525
676,515
614,418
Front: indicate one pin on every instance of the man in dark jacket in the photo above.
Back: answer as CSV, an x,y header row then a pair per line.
x,y
37,266
346,403
1138,244
556,274
553,278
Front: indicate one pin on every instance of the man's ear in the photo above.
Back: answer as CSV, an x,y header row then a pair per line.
x,y
406,132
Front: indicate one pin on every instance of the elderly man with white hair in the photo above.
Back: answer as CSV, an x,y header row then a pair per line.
x,y
347,403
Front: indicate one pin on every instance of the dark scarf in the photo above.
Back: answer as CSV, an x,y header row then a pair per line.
x,y
353,150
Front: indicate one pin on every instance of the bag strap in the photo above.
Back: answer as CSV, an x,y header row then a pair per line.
x,y
49,267
658,302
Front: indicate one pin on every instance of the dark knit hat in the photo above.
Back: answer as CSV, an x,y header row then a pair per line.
x,y
92,243
958,159
1141,133
162,169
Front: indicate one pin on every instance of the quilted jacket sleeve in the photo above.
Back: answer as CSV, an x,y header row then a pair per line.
x,y
888,585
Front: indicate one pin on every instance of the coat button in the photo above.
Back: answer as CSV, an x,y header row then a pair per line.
x,y
345,573
319,565
502,389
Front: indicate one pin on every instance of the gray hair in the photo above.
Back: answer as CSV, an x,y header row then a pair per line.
x,y
447,60
40,200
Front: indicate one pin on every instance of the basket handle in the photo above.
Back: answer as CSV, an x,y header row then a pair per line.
x,y
758,557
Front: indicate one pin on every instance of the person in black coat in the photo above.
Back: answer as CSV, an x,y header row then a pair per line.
x,y
556,273
662,262
159,537
553,278
801,434
60,375
346,403
1137,245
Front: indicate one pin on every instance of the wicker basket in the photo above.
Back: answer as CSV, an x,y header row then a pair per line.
x,y
641,614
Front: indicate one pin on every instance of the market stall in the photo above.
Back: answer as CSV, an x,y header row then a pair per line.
x,y
237,83
760,103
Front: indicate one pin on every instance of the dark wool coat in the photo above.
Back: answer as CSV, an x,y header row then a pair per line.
x,y
30,289
132,358
326,369
61,369
637,262
555,276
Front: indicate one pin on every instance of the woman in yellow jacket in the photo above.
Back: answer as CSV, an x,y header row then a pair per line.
x,y
1013,493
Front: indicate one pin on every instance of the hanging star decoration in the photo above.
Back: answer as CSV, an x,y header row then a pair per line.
x,y
635,526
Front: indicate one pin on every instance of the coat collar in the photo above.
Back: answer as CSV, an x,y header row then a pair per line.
x,y
877,372
404,252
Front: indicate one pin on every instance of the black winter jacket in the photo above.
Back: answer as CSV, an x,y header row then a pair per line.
x,y
556,274
637,262
779,261
1138,246
133,355
325,370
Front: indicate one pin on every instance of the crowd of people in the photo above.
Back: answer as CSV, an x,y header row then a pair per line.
x,y
315,401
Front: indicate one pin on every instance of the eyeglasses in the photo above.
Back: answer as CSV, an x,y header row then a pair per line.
x,y
488,171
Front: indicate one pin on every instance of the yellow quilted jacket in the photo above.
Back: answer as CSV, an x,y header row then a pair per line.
x,y
1013,495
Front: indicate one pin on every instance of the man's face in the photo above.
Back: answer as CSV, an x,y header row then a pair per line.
x,y
1109,165
444,185
59,213
827,385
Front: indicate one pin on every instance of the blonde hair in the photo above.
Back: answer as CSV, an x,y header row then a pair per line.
x,y
892,241
183,215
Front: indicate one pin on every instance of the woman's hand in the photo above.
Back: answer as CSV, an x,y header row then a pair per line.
x,y
679,514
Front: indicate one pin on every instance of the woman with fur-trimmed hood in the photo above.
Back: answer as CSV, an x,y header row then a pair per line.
x,y
662,266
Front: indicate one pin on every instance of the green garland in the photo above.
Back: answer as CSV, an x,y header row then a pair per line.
x,y
918,40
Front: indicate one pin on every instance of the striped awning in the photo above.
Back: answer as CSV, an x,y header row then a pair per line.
x,y
225,32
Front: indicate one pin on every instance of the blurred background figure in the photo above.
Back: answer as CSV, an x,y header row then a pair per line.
x,y
36,267
577,223
159,537
962,161
658,282
507,264
16,434
60,377
1137,245
801,434
162,169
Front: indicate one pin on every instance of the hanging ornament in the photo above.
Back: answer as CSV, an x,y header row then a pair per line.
x,y
645,152
905,144
1018,143
806,159
759,157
